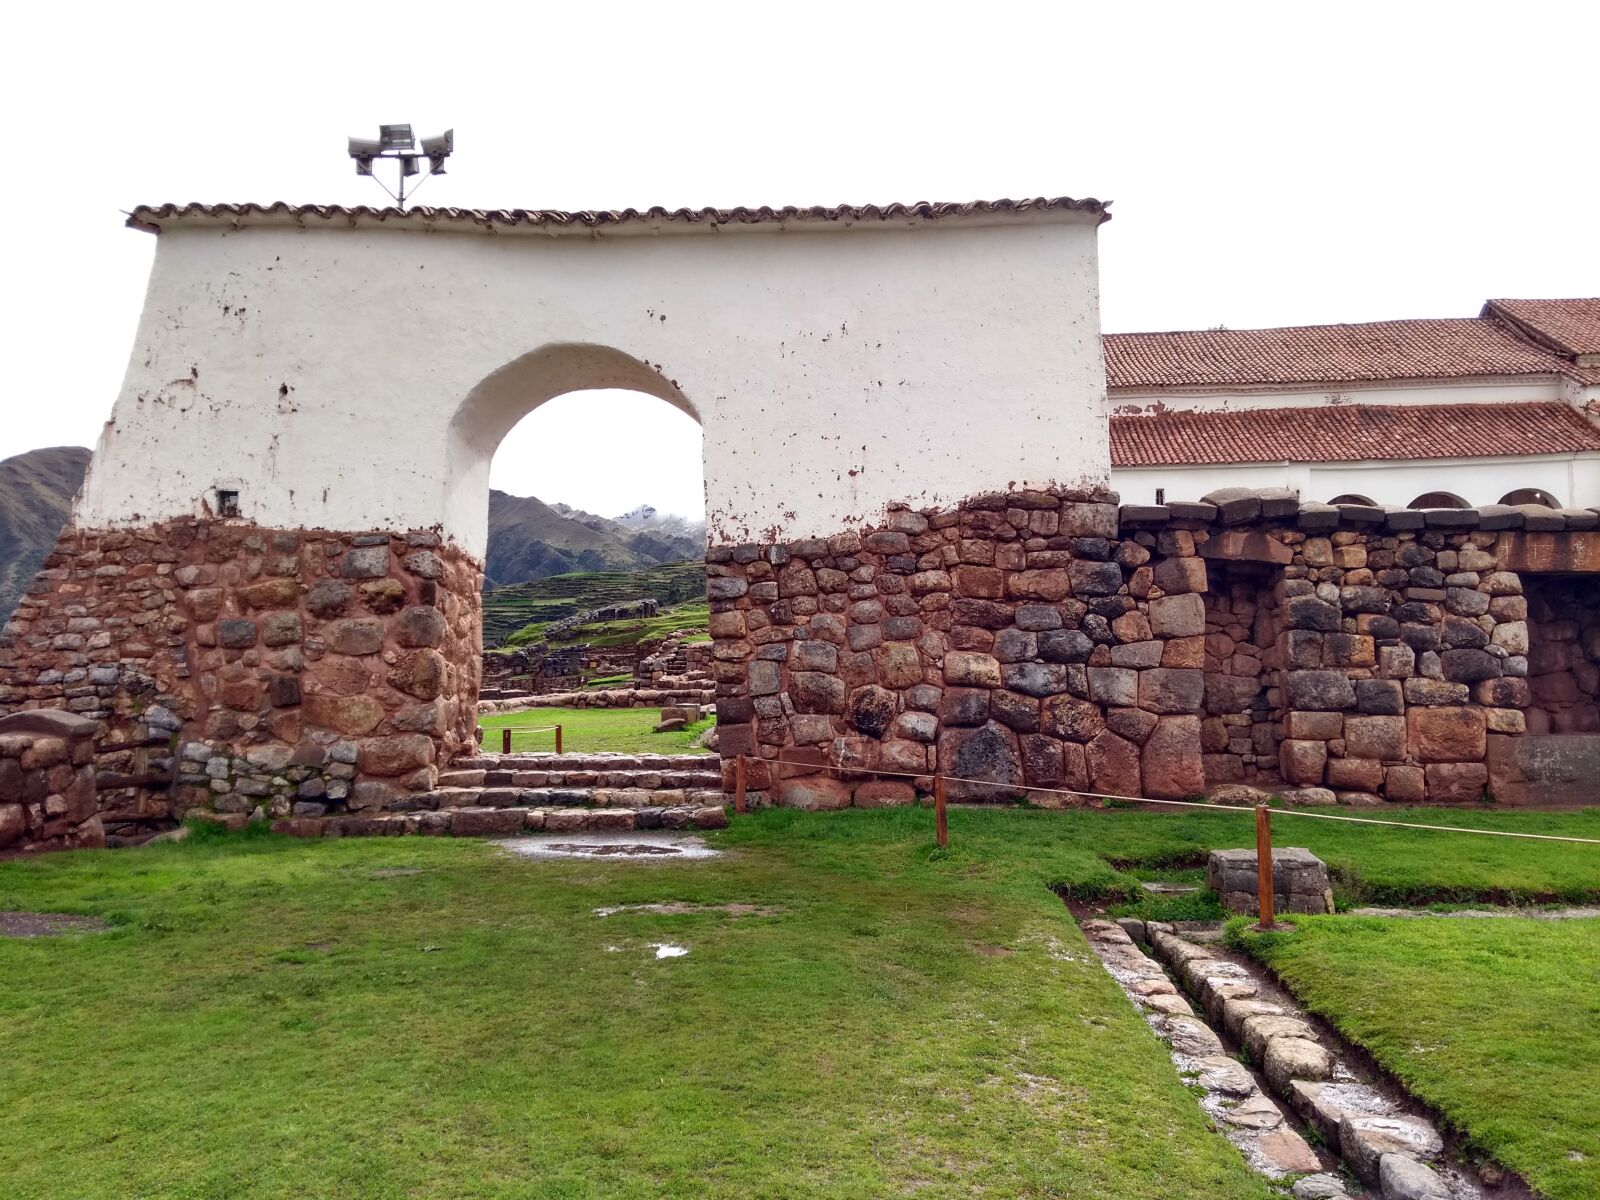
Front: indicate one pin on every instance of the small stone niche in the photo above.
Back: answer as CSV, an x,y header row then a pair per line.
x,y
1300,881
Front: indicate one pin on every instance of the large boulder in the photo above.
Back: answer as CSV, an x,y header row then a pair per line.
x,y
988,754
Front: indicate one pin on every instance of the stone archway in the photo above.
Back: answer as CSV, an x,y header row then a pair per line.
x,y
338,379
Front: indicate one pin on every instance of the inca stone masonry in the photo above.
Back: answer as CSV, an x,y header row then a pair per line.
x,y
915,564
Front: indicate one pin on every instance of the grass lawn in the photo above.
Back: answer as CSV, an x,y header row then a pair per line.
x,y
278,1018
589,730
1494,1022
273,1018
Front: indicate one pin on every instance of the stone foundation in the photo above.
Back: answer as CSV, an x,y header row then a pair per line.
x,y
47,783
1040,639
233,667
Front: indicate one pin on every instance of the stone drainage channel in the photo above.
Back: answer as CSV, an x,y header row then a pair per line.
x,y
1304,1077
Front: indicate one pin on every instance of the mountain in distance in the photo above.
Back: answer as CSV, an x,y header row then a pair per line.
x,y
529,539
36,491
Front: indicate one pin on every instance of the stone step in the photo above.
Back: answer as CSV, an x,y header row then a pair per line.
x,y
558,797
539,761
504,822
635,778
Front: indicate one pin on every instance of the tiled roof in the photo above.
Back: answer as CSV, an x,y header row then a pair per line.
x,y
1571,326
1349,433
548,220
1379,350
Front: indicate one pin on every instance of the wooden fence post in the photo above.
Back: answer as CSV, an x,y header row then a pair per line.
x,y
941,827
738,784
505,740
1264,867
558,739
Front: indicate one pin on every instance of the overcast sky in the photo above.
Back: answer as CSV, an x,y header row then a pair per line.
x,y
1270,164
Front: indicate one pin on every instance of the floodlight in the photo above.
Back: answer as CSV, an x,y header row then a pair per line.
x,y
408,164
364,147
396,137
363,165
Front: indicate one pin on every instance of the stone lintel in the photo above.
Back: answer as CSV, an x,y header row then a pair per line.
x,y
1550,553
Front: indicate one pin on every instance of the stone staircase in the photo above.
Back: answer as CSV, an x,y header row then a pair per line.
x,y
504,795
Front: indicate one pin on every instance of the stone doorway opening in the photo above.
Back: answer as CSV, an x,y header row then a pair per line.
x,y
1240,731
1562,642
1558,639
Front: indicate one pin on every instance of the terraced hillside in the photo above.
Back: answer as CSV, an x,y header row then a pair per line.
x,y
509,609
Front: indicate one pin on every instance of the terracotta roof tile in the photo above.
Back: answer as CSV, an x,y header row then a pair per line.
x,y
1349,433
1378,350
1571,326
555,221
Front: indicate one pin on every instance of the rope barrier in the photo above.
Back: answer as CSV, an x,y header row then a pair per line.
x,y
1286,812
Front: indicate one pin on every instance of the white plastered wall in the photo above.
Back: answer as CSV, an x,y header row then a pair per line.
x,y
1574,480
354,378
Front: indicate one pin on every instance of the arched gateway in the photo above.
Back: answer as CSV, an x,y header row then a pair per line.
x,y
277,555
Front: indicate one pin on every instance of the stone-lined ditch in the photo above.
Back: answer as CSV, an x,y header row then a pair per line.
x,y
1281,1085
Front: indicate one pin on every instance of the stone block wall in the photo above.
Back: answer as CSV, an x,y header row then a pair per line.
x,y
1339,654
232,666
1040,639
1021,639
47,783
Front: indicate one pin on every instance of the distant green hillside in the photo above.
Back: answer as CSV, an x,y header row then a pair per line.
x,y
36,491
629,631
508,609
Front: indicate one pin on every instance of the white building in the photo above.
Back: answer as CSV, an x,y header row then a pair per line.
x,y
1499,408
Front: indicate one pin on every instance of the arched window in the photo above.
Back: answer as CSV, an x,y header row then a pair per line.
x,y
1438,500
1352,498
1530,496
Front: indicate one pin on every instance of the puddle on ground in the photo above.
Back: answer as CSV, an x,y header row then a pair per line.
x,y
668,950
641,846
33,925
677,910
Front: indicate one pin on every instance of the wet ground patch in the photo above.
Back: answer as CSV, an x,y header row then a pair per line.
x,y
613,847
36,924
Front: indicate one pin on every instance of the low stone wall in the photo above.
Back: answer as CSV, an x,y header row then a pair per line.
x,y
1050,639
47,783
1338,653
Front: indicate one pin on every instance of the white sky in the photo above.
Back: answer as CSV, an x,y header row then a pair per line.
x,y
1271,164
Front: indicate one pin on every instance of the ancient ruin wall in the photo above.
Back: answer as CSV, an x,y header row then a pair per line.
x,y
234,667
1048,639
47,783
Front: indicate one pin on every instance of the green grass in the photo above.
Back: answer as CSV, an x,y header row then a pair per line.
x,y
1493,1022
590,730
627,632
508,609
269,1019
